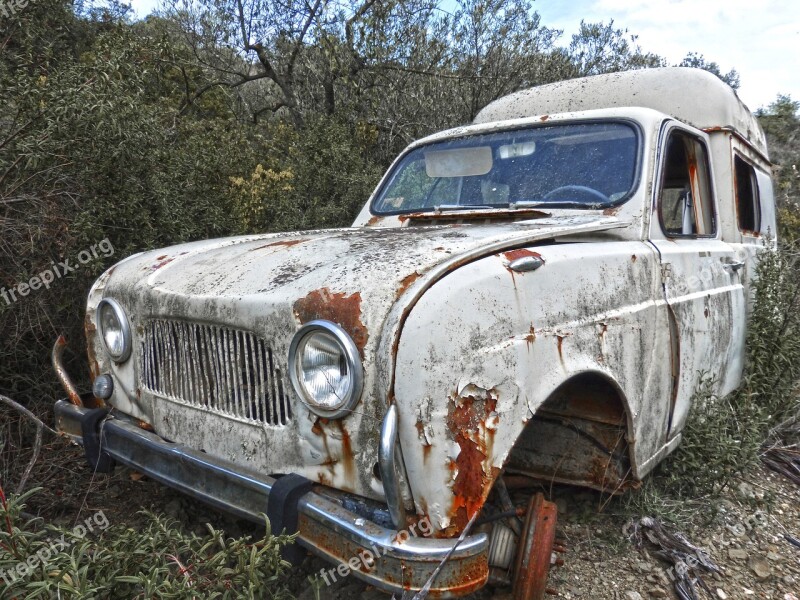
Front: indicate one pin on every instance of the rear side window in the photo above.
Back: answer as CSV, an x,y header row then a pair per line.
x,y
747,204
686,206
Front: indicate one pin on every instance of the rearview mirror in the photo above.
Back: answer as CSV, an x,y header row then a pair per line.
x,y
459,162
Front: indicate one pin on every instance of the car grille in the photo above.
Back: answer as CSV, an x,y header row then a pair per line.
x,y
216,368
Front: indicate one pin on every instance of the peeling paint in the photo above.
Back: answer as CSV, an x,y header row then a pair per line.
x,y
472,421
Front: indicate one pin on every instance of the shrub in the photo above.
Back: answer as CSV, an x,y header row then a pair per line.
x,y
96,559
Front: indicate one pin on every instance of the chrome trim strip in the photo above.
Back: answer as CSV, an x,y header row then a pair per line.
x,y
387,459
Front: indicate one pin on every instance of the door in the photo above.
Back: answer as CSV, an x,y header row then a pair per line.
x,y
700,274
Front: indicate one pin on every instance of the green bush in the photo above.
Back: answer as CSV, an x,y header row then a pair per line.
x,y
96,559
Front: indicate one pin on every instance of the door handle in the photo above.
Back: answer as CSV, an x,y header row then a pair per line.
x,y
733,266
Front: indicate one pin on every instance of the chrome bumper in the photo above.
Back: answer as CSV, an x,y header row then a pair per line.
x,y
401,562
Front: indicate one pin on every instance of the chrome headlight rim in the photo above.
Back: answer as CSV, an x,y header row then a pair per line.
x,y
354,364
125,329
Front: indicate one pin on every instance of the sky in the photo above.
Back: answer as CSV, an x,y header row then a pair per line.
x,y
761,40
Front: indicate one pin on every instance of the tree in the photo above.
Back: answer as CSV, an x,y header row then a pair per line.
x,y
698,61
601,48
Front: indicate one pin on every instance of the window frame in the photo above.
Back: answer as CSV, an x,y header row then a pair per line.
x,y
668,132
635,185
753,176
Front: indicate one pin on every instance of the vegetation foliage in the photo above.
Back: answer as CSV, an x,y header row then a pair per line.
x,y
223,117
116,561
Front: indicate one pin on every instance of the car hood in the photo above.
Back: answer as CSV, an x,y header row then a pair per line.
x,y
357,277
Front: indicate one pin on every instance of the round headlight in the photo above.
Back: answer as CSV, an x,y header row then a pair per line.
x,y
114,329
325,369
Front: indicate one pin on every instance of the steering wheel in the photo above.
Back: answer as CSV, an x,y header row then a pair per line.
x,y
580,189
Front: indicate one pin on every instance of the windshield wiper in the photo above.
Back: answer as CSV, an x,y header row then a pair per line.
x,y
529,204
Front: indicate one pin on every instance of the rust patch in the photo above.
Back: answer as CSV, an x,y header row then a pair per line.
x,y
513,255
468,420
58,365
162,261
316,428
531,337
633,258
336,307
91,333
373,221
560,339
611,211
406,283
544,118
286,243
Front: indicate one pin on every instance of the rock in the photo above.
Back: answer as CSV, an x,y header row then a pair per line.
x,y
721,595
738,554
643,567
632,596
789,579
657,592
561,504
745,490
759,566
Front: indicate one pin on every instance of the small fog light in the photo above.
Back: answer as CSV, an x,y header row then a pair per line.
x,y
103,387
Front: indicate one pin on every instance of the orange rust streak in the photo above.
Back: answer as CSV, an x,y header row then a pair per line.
x,y
74,398
91,331
286,243
336,307
406,283
348,458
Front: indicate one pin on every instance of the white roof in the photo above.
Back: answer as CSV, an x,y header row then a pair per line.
x,y
693,96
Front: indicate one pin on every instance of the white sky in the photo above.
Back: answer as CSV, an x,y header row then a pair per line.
x,y
761,40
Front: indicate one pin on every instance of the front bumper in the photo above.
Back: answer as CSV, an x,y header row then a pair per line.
x,y
384,558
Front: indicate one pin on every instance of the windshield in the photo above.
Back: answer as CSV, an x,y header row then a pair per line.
x,y
592,165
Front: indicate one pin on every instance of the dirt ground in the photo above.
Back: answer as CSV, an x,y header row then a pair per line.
x,y
743,532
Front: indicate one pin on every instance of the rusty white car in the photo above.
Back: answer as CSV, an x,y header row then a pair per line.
x,y
534,296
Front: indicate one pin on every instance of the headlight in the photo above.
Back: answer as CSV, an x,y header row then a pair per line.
x,y
325,369
114,329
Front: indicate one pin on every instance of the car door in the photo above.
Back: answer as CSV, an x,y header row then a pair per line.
x,y
700,273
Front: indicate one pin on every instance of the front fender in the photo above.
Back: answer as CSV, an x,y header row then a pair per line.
x,y
485,347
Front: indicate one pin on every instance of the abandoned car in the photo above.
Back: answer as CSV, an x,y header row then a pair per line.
x,y
535,296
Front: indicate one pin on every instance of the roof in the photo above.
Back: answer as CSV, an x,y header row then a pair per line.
x,y
693,96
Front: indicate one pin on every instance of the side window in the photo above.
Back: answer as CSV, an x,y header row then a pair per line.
x,y
747,205
686,207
